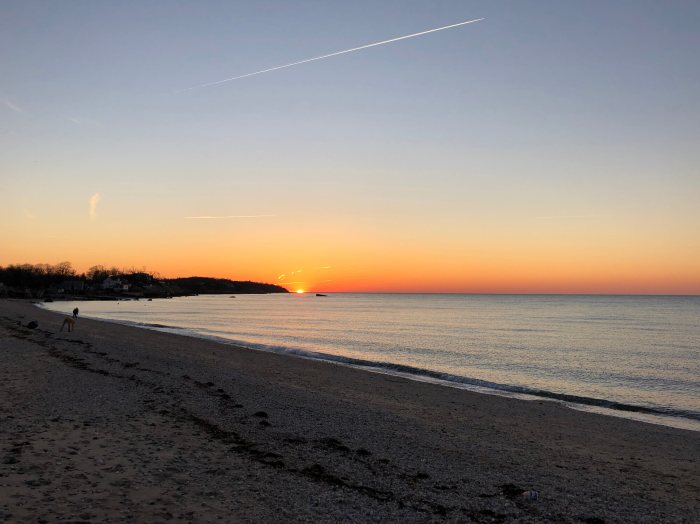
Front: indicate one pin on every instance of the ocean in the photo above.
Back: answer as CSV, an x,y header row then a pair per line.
x,y
630,356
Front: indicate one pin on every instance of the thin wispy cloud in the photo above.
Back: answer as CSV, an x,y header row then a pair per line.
x,y
324,267
14,107
564,217
84,121
366,46
28,214
94,200
212,217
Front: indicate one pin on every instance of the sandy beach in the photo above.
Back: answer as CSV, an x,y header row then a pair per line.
x,y
112,423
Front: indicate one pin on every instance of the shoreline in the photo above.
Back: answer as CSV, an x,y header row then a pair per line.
x,y
157,426
640,413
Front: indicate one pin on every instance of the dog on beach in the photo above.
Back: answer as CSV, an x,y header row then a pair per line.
x,y
68,322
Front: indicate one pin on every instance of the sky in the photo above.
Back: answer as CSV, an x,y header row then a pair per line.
x,y
550,148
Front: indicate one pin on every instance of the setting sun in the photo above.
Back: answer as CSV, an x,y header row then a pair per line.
x,y
300,291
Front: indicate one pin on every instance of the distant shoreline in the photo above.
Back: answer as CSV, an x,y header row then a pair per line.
x,y
46,282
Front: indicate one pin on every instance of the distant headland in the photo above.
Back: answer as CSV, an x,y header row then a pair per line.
x,y
62,282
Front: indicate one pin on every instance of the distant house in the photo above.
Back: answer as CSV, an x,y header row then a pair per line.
x,y
114,283
72,285
111,283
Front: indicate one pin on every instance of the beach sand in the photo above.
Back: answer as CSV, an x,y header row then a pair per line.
x,y
112,423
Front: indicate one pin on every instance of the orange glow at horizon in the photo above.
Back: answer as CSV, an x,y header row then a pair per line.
x,y
534,257
379,269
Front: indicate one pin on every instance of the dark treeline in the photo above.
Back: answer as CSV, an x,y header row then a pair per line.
x,y
35,276
46,280
213,286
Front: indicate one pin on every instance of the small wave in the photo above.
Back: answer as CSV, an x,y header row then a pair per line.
x,y
147,325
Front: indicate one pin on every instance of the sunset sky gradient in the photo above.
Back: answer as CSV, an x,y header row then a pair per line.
x,y
551,148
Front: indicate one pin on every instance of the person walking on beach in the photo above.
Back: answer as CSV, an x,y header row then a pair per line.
x,y
75,313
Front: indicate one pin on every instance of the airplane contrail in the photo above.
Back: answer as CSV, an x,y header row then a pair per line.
x,y
329,55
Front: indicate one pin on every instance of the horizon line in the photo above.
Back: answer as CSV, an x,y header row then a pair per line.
x,y
601,294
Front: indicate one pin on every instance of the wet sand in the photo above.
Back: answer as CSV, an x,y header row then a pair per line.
x,y
114,423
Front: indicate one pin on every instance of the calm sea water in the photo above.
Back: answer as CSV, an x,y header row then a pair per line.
x,y
637,357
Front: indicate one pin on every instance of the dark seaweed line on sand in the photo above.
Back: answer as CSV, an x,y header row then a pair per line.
x,y
315,471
